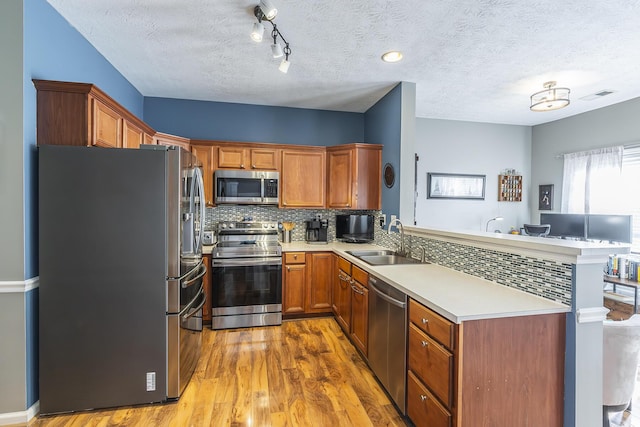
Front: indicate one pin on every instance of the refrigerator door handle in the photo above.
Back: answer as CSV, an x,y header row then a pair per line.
x,y
196,309
191,303
202,210
201,273
188,273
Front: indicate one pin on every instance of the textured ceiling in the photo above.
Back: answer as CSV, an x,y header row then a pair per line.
x,y
476,60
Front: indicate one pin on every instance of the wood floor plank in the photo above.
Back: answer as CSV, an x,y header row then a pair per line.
x,y
302,373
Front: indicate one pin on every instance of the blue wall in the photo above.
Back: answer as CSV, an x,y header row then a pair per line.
x,y
382,125
252,123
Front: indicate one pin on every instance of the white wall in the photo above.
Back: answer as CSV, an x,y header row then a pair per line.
x,y
472,148
614,125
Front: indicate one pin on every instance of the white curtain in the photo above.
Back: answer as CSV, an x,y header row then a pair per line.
x,y
592,181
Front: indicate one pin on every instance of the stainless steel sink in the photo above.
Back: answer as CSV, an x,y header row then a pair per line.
x,y
371,253
382,257
388,260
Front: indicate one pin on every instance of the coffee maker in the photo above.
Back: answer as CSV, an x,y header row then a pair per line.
x,y
317,231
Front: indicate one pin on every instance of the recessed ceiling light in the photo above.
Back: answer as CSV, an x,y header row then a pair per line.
x,y
392,56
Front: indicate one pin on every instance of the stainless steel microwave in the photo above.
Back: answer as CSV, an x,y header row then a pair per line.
x,y
239,187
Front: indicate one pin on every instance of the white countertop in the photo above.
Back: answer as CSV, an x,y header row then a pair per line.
x,y
457,296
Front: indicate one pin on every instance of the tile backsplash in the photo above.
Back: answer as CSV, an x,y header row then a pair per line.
x,y
271,213
545,278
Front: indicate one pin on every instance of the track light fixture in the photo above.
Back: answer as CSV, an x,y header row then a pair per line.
x,y
266,11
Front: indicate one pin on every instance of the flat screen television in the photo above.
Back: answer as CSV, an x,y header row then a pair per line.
x,y
613,228
565,225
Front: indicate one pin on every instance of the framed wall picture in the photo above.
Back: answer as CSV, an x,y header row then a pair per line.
x,y
455,186
545,197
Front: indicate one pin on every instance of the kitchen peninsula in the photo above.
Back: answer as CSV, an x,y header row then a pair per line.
x,y
491,276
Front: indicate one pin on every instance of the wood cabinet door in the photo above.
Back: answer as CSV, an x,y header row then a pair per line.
x,y
107,126
342,300
293,290
303,179
132,136
339,178
232,158
319,282
368,178
204,154
264,159
206,308
359,316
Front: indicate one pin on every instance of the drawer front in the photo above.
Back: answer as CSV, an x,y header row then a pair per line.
x,y
432,363
433,324
344,265
360,276
424,409
294,258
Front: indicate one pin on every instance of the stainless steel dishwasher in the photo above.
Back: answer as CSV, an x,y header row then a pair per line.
x,y
388,338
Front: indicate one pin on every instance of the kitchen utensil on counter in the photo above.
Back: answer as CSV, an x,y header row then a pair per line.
x,y
287,226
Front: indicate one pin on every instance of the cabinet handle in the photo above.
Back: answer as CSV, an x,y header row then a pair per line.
x,y
356,290
288,268
425,321
242,166
423,397
424,343
295,256
253,166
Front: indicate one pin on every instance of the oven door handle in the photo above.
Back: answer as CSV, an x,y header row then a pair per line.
x,y
246,262
201,273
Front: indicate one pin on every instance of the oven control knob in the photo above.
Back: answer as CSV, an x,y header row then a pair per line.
x,y
223,225
272,226
265,225
231,225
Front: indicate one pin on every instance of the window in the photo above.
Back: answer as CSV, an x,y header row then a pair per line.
x,y
630,194
604,181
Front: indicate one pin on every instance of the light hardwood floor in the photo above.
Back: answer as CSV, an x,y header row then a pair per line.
x,y
303,373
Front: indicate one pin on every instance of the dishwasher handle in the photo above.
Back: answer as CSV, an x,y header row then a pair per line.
x,y
386,297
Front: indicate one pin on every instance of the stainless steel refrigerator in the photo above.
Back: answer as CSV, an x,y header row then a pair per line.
x,y
120,264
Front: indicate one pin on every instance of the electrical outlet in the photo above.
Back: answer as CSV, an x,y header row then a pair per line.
x,y
383,220
393,218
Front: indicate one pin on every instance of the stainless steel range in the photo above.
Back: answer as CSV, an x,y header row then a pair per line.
x,y
246,275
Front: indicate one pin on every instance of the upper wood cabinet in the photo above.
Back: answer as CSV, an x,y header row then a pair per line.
x,y
81,114
172,140
354,176
206,153
302,177
252,158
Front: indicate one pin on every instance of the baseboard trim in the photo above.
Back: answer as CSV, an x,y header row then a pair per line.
x,y
21,417
19,286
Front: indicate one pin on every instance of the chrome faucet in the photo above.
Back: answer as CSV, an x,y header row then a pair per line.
x,y
401,251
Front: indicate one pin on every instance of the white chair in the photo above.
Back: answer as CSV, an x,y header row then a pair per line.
x,y
621,358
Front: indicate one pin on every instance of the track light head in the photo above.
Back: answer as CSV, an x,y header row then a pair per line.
x,y
268,9
257,32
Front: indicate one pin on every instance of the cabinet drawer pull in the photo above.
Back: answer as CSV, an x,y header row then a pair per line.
x,y
295,256
425,321
242,166
253,166
288,268
423,397
424,343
